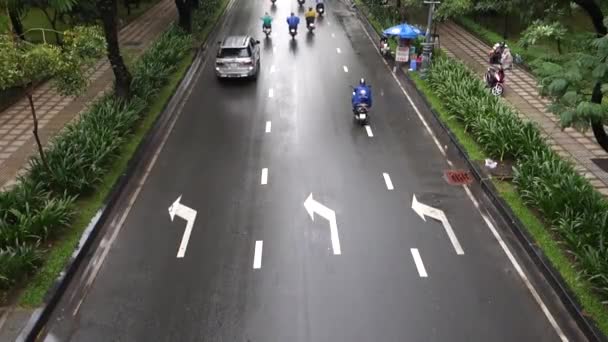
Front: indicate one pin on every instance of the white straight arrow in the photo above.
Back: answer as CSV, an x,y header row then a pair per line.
x,y
313,207
424,210
187,214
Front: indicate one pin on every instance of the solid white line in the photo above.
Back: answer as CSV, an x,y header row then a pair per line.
x,y
274,49
489,224
418,262
369,131
185,238
264,180
270,92
257,255
387,180
517,267
335,238
345,69
338,50
453,239
268,126
272,69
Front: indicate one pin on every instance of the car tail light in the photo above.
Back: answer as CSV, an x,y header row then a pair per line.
x,y
248,62
219,63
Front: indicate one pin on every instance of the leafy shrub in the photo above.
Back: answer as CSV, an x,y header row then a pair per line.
x,y
17,261
42,203
566,200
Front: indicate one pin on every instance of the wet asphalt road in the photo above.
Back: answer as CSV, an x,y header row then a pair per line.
x,y
300,290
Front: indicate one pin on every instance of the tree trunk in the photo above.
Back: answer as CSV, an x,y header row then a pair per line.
x,y
598,125
595,14
597,18
505,26
108,12
29,93
559,46
16,23
185,15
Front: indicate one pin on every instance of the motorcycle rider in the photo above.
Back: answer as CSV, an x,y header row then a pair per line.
x,y
293,21
266,21
384,46
496,53
320,4
362,94
310,16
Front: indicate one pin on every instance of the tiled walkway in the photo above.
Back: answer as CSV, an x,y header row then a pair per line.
x,y
521,92
16,140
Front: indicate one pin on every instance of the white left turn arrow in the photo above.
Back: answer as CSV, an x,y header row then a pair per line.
x,y
424,210
187,214
313,207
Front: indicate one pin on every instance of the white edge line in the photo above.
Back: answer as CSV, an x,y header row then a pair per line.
x,y
268,126
270,92
257,255
338,50
418,262
264,179
517,267
387,180
522,275
95,269
345,68
369,131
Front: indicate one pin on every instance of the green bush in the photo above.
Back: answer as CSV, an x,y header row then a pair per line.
x,y
42,203
565,200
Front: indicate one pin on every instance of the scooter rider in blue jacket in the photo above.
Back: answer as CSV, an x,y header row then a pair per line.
x,y
362,94
293,21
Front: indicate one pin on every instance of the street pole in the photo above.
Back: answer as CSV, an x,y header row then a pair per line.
x,y
427,46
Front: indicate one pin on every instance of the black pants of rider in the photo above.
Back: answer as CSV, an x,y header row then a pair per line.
x,y
310,20
265,26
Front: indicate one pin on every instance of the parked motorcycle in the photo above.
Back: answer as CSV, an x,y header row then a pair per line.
x,y
495,80
385,48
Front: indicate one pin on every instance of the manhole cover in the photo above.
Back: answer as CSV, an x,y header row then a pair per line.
x,y
458,177
602,163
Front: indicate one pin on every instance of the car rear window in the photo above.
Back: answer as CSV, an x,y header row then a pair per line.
x,y
234,52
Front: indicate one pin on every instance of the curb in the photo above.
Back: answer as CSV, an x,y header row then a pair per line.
x,y
555,280
41,315
552,276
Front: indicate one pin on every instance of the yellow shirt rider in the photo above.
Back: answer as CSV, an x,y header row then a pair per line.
x,y
310,16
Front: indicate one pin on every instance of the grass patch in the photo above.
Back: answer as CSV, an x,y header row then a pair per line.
x,y
589,302
61,251
473,150
543,238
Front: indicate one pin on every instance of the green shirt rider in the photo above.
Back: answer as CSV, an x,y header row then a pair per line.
x,y
266,21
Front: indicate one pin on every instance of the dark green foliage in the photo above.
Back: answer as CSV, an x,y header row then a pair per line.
x,y
42,203
565,200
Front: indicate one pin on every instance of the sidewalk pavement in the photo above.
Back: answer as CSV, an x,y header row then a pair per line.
x,y
54,112
17,142
521,92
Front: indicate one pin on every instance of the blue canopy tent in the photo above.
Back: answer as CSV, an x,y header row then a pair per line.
x,y
403,31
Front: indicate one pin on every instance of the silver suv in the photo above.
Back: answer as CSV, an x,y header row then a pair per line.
x,y
238,56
